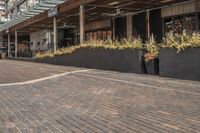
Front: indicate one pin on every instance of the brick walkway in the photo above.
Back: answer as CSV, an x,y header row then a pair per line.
x,y
17,71
99,101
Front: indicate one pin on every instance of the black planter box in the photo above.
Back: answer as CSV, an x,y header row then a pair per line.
x,y
183,65
152,66
118,60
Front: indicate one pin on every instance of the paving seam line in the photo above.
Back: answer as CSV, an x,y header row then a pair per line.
x,y
44,78
139,84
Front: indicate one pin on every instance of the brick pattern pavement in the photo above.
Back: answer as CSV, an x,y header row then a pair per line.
x,y
101,102
18,71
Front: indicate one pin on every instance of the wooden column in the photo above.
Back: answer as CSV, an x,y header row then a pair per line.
x,y
82,24
55,31
8,44
113,28
1,43
16,41
129,26
148,34
197,22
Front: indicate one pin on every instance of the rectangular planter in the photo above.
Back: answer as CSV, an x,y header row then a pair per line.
x,y
152,67
118,60
183,65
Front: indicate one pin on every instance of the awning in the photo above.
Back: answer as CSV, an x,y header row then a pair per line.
x,y
33,11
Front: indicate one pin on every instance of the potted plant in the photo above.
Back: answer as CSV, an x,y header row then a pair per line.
x,y
151,57
180,56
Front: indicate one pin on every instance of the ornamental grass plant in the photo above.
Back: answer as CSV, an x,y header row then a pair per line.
x,y
132,43
177,41
152,49
181,41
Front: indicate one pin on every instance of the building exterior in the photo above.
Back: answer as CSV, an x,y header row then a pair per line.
x,y
40,25
2,10
2,18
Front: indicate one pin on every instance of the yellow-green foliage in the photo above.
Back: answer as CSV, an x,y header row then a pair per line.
x,y
182,41
109,44
152,47
179,42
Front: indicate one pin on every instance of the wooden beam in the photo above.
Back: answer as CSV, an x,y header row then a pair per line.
x,y
8,44
82,24
16,41
148,34
55,31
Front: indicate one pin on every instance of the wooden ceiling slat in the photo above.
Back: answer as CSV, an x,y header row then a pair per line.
x,y
93,7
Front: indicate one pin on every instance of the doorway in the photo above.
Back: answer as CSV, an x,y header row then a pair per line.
x,y
120,28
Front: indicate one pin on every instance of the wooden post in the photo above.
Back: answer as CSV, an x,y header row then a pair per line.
x,y
113,29
129,26
8,44
82,24
16,41
55,30
148,34
1,44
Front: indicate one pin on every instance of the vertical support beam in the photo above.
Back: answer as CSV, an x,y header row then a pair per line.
x,y
113,28
16,9
197,22
148,34
16,41
55,31
1,43
8,44
49,39
129,26
82,24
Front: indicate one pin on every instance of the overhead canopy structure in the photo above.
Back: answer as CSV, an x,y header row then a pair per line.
x,y
36,18
33,11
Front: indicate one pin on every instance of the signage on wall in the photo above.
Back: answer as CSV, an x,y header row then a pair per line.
x,y
53,12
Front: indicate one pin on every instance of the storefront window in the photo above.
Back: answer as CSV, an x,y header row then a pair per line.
x,y
168,24
182,23
95,37
109,35
99,35
178,26
190,25
199,22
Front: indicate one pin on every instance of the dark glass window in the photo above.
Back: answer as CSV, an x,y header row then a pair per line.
x,y
178,26
104,34
199,22
168,25
190,24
